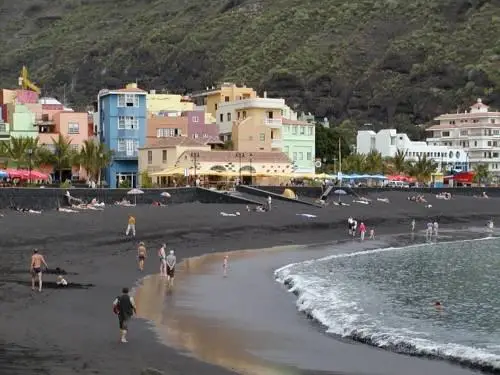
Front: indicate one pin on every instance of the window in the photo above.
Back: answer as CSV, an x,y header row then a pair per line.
x,y
216,106
489,143
226,99
121,145
301,156
164,156
128,122
128,100
445,134
195,135
262,137
244,115
302,130
74,147
228,116
496,132
73,128
294,156
167,132
294,130
150,157
270,114
205,135
196,119
310,130
221,117
128,146
463,132
309,156
238,115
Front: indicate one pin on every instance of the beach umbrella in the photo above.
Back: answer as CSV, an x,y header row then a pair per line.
x,y
165,194
135,193
340,192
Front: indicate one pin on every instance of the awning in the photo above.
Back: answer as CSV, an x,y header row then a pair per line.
x,y
169,172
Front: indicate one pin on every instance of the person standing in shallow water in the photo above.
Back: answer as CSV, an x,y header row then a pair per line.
x,y
171,262
225,265
124,307
37,260
141,255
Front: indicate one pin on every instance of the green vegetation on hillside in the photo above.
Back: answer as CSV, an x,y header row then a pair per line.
x,y
396,62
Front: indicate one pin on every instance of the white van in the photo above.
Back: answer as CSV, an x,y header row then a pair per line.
x,y
397,184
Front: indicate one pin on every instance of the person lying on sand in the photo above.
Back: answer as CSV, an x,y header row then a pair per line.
x,y
445,196
61,281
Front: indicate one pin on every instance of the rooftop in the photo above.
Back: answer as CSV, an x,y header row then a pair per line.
x,y
233,157
174,142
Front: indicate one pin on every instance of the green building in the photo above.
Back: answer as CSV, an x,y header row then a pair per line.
x,y
22,121
299,143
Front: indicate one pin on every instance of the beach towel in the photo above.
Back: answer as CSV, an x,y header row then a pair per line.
x,y
307,215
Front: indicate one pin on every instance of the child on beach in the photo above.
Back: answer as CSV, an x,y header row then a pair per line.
x,y
372,234
225,265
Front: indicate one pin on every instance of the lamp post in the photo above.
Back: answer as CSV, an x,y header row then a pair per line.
x,y
195,156
99,178
251,171
30,155
240,155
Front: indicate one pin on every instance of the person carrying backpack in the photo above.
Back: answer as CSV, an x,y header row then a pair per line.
x,y
124,307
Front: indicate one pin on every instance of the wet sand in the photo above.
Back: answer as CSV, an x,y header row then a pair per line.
x,y
73,330
249,323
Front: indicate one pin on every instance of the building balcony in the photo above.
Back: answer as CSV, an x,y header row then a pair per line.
x,y
273,123
125,155
127,133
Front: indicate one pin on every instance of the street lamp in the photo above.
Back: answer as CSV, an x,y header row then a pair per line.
x,y
30,155
195,156
251,171
240,155
100,170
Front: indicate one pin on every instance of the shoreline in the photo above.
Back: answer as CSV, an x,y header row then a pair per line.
x,y
73,330
180,323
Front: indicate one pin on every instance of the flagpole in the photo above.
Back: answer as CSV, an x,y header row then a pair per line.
x,y
340,168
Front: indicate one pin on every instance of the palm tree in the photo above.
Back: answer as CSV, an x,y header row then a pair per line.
x,y
17,149
94,157
481,173
354,163
64,156
422,169
374,163
399,162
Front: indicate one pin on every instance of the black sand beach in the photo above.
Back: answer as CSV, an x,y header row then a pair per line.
x,y
73,330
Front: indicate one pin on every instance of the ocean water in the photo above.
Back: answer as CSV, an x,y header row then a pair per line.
x,y
386,298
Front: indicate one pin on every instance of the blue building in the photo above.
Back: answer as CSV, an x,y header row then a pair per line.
x,y
122,128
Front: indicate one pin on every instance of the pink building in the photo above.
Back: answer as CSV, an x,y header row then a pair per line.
x,y
73,125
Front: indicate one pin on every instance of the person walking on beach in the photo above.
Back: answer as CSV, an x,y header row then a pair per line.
x,y
37,260
163,262
491,225
124,307
141,255
436,228
269,202
349,225
428,232
354,227
171,261
372,234
130,226
362,231
412,225
225,265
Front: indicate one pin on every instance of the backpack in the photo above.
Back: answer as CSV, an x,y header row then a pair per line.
x,y
116,308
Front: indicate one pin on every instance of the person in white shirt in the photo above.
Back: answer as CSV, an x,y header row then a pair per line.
x,y
436,228
163,260
225,265
269,203
171,261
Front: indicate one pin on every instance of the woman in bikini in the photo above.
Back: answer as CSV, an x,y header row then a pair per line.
x,y
141,255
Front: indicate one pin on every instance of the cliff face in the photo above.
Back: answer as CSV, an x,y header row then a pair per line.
x,y
394,62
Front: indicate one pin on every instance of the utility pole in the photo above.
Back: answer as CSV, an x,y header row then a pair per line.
x,y
195,156
240,155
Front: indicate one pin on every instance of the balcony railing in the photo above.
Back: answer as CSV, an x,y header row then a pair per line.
x,y
273,122
125,155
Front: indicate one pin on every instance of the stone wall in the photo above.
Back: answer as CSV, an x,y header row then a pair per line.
x,y
51,198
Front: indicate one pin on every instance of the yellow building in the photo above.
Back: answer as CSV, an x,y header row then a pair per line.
x,y
227,92
167,102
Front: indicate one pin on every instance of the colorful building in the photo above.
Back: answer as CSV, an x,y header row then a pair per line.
x,y
166,127
164,153
122,128
157,103
210,99
299,142
252,124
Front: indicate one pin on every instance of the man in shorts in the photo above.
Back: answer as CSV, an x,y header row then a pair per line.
x,y
37,260
124,307
171,261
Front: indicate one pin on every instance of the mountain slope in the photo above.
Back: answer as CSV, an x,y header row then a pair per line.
x,y
381,61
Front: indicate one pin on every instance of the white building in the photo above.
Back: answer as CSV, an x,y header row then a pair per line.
x,y
477,131
388,142
227,112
